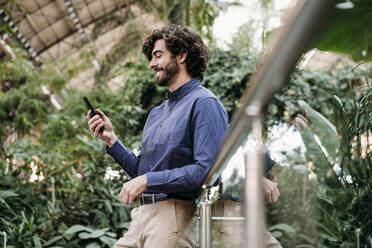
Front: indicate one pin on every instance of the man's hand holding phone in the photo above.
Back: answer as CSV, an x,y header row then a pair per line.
x,y
98,121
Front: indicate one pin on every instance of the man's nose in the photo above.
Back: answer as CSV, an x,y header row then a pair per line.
x,y
152,63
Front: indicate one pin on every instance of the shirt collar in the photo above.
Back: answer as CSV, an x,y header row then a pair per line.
x,y
183,90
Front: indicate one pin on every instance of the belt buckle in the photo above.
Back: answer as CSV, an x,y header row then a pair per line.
x,y
153,198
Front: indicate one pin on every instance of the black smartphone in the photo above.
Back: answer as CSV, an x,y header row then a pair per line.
x,y
92,111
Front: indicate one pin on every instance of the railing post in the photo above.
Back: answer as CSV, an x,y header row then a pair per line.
x,y
254,217
4,239
205,229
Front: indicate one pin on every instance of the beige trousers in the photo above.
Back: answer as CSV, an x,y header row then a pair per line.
x,y
164,224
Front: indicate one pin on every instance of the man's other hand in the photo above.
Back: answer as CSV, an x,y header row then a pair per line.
x,y
132,189
100,120
271,190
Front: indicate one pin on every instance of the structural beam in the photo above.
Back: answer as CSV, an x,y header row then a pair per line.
x,y
75,18
20,37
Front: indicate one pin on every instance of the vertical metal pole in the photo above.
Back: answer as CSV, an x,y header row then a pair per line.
x,y
254,221
205,229
357,232
4,239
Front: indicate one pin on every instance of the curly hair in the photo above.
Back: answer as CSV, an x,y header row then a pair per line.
x,y
179,39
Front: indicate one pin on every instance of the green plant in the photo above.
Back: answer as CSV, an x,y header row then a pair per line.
x,y
21,217
197,14
349,26
88,237
341,189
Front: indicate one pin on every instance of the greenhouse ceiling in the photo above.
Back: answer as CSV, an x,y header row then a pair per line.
x,y
50,29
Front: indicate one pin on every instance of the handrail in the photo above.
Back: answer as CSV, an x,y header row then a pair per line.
x,y
305,22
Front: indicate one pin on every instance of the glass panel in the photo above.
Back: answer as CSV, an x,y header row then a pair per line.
x,y
292,219
228,203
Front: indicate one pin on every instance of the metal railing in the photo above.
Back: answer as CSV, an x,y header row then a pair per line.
x,y
4,233
304,23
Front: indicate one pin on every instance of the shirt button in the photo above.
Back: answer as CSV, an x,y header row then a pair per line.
x,y
161,125
150,163
152,143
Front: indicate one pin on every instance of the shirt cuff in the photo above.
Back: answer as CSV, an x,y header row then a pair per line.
x,y
155,181
116,149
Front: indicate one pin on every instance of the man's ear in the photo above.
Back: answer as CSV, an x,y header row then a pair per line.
x,y
183,56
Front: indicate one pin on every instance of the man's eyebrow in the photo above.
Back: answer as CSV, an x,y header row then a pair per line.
x,y
157,51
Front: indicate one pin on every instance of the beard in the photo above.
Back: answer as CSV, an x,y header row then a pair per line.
x,y
168,71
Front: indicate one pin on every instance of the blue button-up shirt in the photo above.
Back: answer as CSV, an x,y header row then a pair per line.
x,y
179,140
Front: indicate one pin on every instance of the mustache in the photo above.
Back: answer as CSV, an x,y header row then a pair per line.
x,y
156,69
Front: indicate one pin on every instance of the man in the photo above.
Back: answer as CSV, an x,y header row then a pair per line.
x,y
179,140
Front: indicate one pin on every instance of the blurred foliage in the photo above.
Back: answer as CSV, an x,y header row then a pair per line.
x,y
316,87
23,105
6,6
350,25
336,179
242,41
353,120
227,76
68,164
198,14
341,209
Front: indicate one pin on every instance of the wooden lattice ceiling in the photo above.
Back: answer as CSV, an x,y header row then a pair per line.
x,y
50,29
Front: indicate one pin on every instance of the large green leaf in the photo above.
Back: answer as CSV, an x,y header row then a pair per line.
x,y
108,241
282,227
94,234
37,243
93,245
314,152
7,193
324,129
350,31
78,228
53,240
4,194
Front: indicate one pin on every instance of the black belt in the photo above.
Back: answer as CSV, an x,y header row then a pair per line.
x,y
146,198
